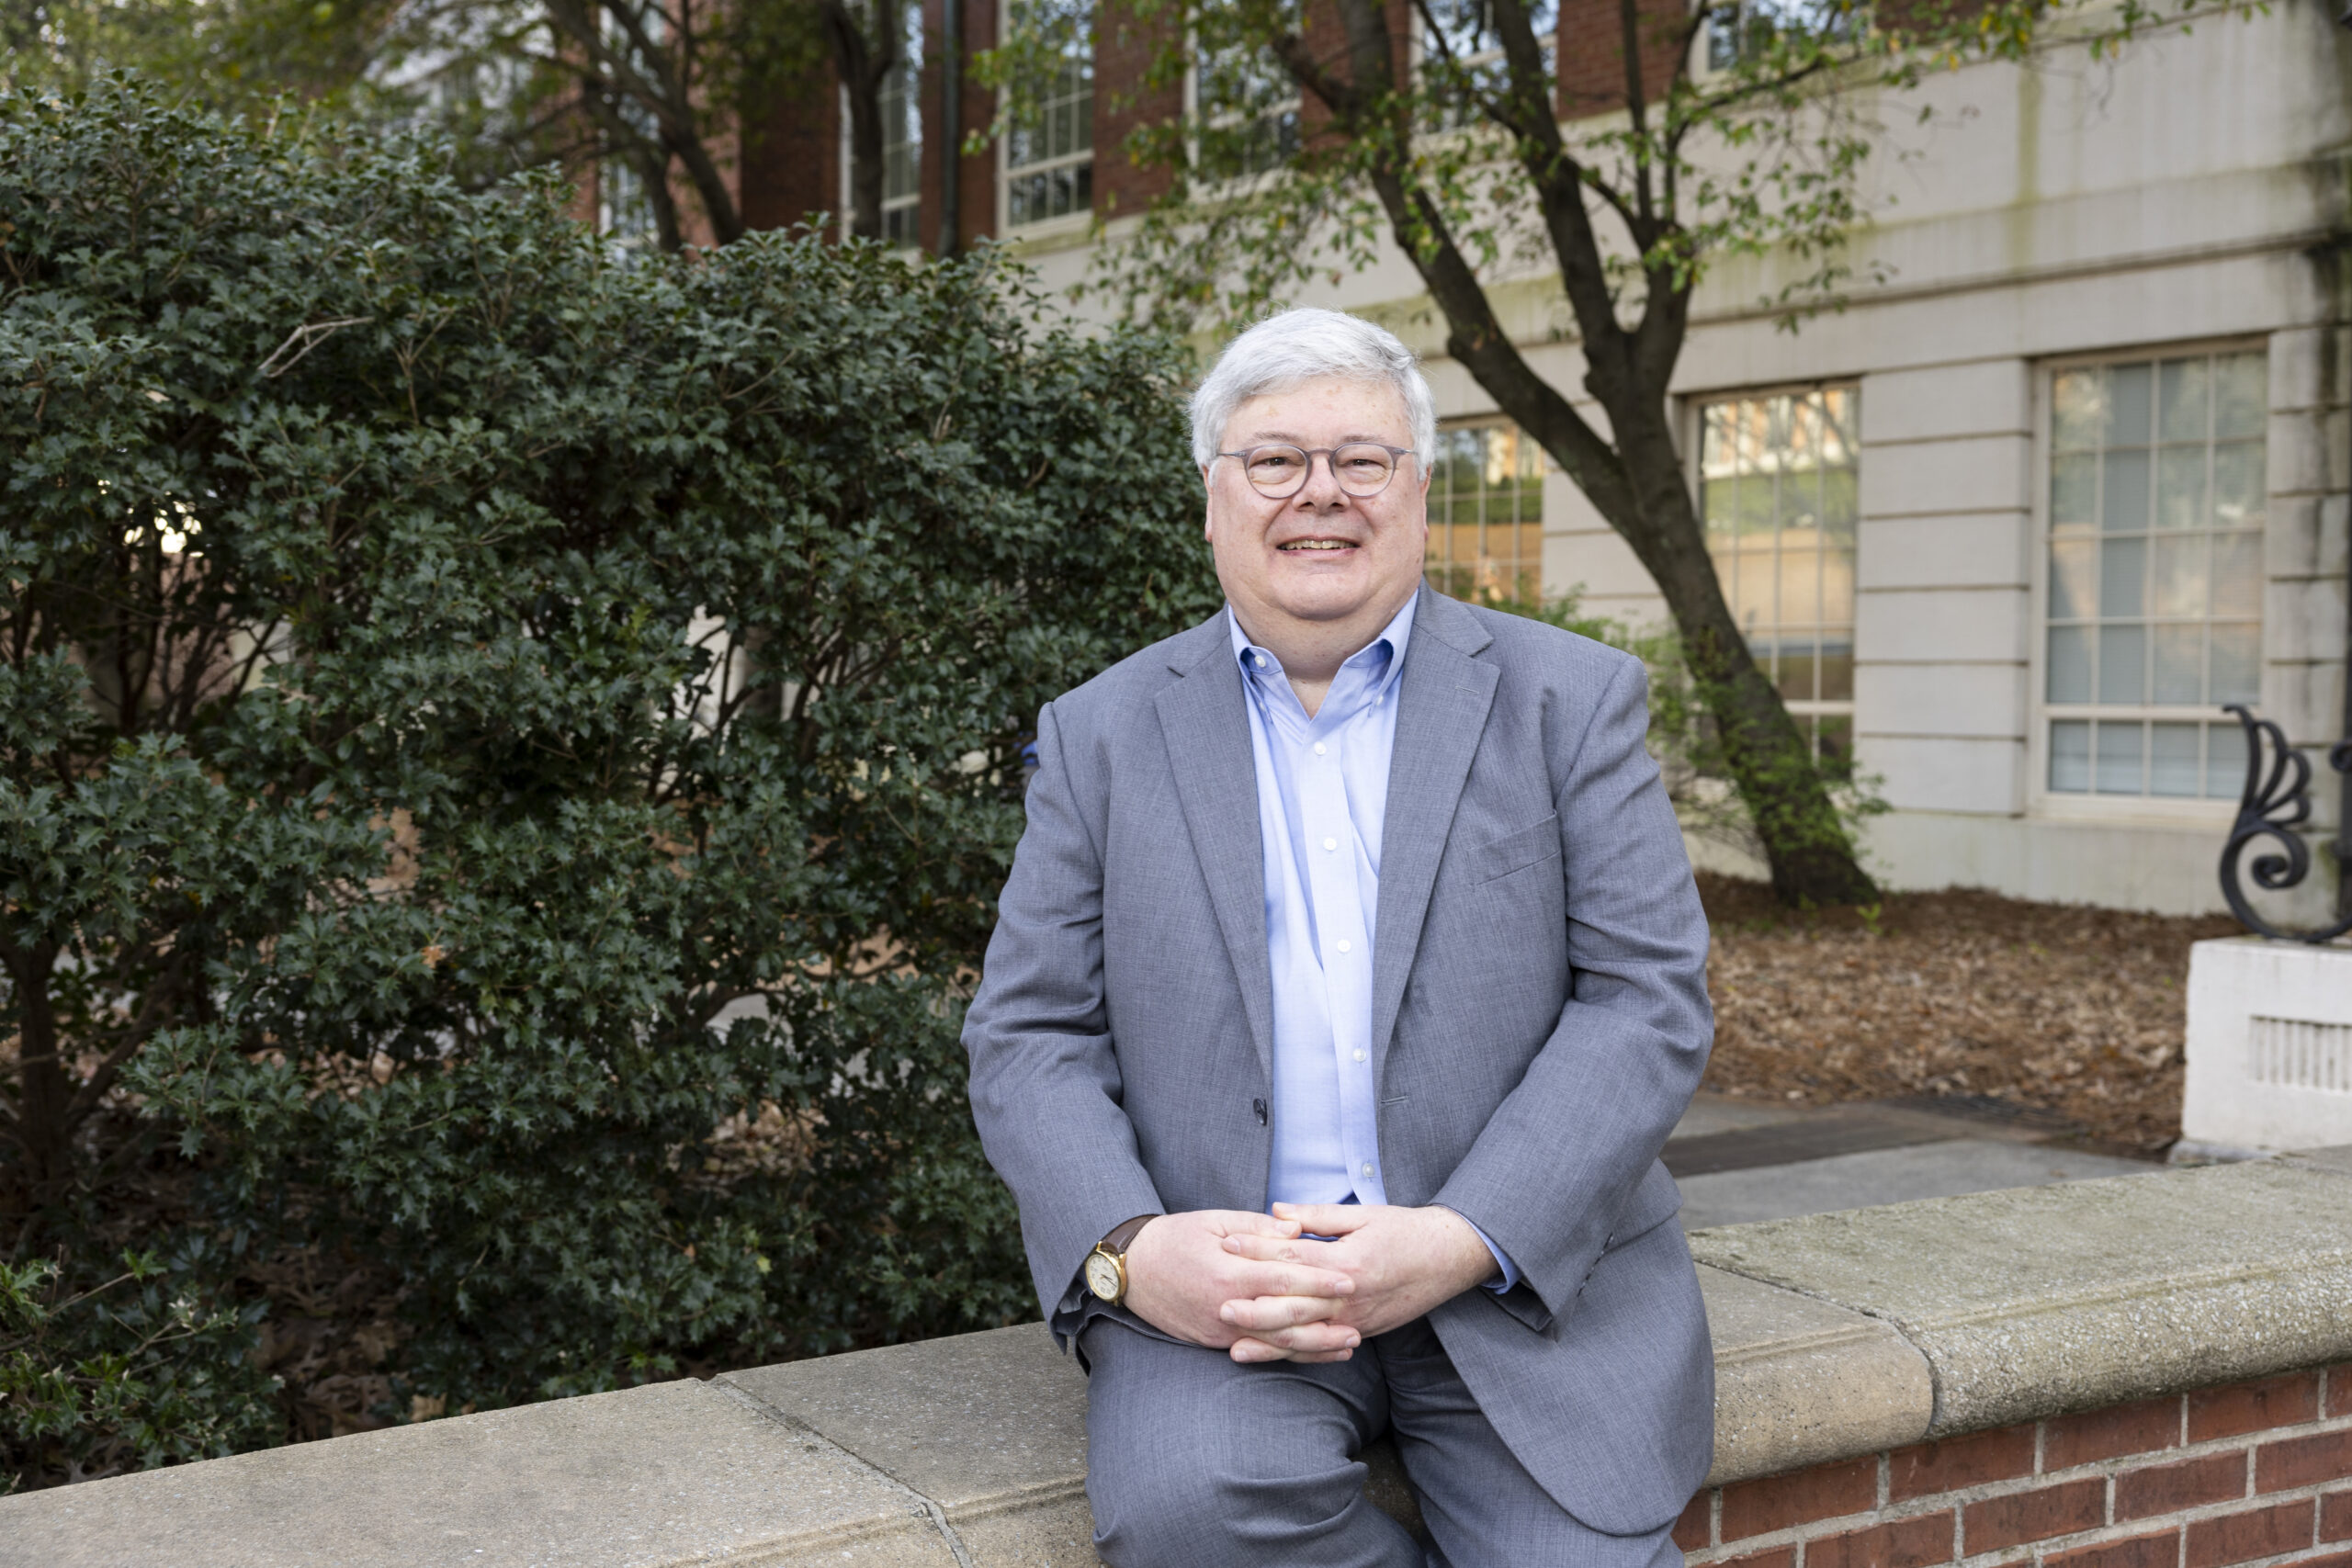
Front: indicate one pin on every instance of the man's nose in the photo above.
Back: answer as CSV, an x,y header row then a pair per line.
x,y
1321,489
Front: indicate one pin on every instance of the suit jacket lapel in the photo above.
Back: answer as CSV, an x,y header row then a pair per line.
x,y
1208,730
1442,698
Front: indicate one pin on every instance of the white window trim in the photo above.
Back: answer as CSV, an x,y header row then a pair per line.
x,y
2041,801
1693,434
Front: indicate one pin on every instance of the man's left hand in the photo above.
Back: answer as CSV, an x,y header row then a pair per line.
x,y
1404,1262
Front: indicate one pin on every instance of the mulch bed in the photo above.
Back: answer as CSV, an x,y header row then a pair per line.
x,y
2060,1011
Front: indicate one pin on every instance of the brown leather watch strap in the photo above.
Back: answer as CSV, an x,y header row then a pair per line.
x,y
1123,1235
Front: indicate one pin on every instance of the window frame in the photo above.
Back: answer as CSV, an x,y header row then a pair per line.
x,y
1079,219
2202,812
1693,433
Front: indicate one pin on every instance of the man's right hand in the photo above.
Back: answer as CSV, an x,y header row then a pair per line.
x,y
1179,1277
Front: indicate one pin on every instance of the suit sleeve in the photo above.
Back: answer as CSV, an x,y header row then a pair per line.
x,y
1567,1165
1044,1084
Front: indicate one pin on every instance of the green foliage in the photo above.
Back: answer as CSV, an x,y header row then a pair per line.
x,y
507,752
146,1368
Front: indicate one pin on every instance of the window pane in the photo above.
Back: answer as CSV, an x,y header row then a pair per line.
x,y
2225,760
2119,763
2074,490
2238,574
2181,486
2122,576
2237,668
2123,652
2073,567
2238,485
1838,665
1799,585
2070,757
2241,399
1796,673
2129,404
2070,664
2078,408
2180,574
2181,405
2180,665
2172,760
2123,504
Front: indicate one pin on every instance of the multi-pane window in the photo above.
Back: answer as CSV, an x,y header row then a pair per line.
x,y
1049,154
1486,514
902,137
1464,32
1777,480
1737,30
2156,507
1245,111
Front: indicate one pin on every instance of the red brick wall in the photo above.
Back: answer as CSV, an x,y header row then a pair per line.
x,y
976,176
791,156
2252,1473
1125,47
1592,52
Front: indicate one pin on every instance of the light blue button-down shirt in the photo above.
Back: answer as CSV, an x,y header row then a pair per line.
x,y
1322,799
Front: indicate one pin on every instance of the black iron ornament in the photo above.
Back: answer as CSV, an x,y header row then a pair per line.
x,y
2278,799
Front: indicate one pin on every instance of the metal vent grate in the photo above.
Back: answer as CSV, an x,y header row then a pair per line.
x,y
2297,1053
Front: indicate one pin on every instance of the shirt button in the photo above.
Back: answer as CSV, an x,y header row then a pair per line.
x,y
1331,843
1367,1168
1359,1056
1343,944
1319,747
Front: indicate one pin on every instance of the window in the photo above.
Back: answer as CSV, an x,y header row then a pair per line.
x,y
2156,507
1245,111
1486,514
1464,32
1738,30
1049,153
1777,477
902,137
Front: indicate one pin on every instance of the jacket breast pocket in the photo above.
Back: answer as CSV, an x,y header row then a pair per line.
x,y
1517,849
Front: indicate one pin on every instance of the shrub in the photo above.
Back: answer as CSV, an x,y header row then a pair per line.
x,y
507,753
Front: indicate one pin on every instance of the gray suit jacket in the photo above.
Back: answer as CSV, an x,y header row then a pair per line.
x,y
1540,1015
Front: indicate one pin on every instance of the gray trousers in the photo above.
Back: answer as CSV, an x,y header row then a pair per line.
x,y
1195,1462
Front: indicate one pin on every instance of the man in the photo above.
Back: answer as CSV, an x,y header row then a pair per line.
x,y
1347,985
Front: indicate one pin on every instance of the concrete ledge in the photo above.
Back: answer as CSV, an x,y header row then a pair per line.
x,y
1837,1336
2041,1301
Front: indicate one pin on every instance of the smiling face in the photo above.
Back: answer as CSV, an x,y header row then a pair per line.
x,y
1320,566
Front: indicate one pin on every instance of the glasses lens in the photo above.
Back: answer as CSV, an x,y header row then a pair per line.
x,y
1362,470
1276,470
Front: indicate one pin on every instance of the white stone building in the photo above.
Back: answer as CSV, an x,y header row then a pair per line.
x,y
2070,475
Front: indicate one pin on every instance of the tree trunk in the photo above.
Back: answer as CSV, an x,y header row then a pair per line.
x,y
1635,479
45,1098
864,64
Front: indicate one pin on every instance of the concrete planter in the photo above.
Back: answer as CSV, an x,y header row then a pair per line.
x,y
2269,1047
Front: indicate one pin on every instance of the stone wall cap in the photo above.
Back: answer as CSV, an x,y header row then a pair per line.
x,y
2038,1300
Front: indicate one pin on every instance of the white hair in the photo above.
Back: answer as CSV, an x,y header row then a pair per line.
x,y
1300,346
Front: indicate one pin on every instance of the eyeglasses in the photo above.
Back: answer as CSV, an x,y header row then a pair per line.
x,y
1362,468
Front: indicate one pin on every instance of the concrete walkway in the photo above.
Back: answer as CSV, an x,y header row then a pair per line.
x,y
1740,1160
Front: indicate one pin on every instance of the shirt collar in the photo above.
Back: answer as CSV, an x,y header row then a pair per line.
x,y
1256,661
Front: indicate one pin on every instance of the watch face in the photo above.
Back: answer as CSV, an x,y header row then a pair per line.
x,y
1102,1277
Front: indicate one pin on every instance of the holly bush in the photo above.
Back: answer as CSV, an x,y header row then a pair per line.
x,y
507,751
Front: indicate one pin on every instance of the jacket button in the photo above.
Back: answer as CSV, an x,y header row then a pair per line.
x,y
1258,1109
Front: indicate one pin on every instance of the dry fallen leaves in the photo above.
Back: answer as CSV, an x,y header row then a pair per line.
x,y
2060,1007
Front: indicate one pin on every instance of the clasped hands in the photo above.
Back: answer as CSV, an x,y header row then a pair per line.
x,y
1263,1288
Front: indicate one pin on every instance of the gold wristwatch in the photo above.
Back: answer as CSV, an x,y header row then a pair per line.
x,y
1106,1266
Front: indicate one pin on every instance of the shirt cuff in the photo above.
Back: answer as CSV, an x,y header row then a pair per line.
x,y
1511,1273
